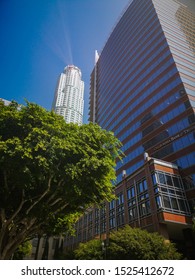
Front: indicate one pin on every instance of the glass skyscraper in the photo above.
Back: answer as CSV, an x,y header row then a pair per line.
x,y
143,84
68,100
143,89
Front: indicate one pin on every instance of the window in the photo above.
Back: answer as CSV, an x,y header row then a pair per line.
x,y
85,220
169,180
97,231
170,194
103,227
120,199
132,213
166,202
97,212
90,217
142,186
144,208
158,202
120,219
112,204
145,185
161,178
174,203
182,205
177,182
131,193
112,222
89,232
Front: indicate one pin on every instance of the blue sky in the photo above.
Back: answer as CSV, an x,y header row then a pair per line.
x,y
40,37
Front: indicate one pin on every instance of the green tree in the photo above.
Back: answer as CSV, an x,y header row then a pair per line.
x,y
23,250
137,244
129,244
91,250
50,172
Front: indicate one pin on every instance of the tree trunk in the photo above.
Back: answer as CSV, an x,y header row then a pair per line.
x,y
12,238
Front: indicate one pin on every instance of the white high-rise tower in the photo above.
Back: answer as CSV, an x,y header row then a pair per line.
x,y
68,100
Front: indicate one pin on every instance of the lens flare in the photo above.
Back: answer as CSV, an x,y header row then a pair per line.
x,y
57,35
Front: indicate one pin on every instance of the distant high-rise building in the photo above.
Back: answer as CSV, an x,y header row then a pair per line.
x,y
6,102
143,89
68,100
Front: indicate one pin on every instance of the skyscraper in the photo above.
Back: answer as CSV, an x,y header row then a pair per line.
x,y
143,83
68,100
143,89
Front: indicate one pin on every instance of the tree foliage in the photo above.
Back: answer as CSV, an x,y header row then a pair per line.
x,y
129,244
50,172
91,250
23,250
137,244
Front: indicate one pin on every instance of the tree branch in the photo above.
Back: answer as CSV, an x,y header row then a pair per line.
x,y
56,201
41,197
60,208
55,192
18,210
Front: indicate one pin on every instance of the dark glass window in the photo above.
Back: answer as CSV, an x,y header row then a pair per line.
x,y
154,179
177,182
158,202
132,213
120,199
120,219
169,180
131,202
182,205
112,222
142,186
174,203
144,208
112,204
97,230
97,212
145,185
161,178
166,201
131,193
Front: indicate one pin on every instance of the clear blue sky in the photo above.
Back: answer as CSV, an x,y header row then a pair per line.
x,y
40,37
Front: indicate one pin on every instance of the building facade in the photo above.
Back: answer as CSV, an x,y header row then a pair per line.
x,y
68,100
143,89
152,198
143,84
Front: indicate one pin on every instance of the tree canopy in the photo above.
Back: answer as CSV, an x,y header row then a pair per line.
x,y
91,250
136,244
128,244
50,172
